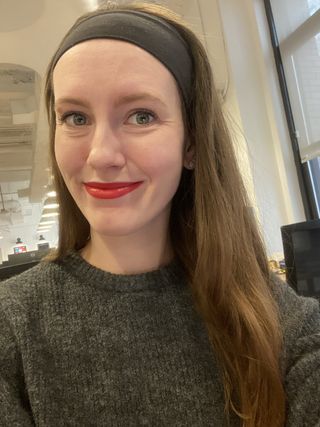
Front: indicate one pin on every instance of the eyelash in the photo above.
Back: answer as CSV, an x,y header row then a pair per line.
x,y
150,113
63,118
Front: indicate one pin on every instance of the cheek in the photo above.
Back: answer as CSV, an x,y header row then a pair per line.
x,y
162,162
58,153
67,158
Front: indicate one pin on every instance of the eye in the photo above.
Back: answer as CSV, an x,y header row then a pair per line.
x,y
141,118
73,119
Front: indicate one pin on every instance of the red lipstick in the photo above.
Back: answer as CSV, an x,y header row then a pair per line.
x,y
111,190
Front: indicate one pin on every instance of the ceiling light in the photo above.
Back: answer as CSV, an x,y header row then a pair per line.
x,y
51,206
47,222
47,215
91,4
51,194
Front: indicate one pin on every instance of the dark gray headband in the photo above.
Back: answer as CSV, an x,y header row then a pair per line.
x,y
147,31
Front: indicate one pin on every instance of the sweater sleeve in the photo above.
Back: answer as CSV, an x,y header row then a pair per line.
x,y
14,405
301,318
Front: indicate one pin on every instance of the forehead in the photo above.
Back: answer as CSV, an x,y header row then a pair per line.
x,y
111,63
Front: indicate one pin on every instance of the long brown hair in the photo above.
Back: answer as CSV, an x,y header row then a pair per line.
x,y
217,241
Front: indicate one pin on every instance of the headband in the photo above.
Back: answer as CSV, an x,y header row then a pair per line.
x,y
147,31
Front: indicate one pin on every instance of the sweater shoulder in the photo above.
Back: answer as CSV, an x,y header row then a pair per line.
x,y
23,288
291,305
299,315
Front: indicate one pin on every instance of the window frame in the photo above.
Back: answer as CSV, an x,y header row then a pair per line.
x,y
303,169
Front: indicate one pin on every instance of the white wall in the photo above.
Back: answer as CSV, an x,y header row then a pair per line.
x,y
255,104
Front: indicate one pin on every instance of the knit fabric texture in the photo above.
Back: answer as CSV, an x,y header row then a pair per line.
x,y
83,347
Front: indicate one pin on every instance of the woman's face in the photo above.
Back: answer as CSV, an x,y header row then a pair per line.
x,y
119,135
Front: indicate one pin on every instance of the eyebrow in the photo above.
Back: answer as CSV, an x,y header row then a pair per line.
x,y
138,97
69,100
126,99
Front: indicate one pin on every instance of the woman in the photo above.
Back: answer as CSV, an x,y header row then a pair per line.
x,y
157,307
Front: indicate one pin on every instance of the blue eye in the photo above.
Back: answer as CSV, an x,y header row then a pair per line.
x,y
74,119
141,118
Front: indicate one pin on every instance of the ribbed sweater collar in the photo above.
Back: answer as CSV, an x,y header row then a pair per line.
x,y
168,276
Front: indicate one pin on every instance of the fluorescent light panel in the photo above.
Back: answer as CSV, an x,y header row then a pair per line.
x,y
51,206
51,194
47,215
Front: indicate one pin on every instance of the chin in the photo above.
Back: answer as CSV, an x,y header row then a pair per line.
x,y
114,229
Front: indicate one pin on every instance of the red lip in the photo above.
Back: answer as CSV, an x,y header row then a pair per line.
x,y
111,190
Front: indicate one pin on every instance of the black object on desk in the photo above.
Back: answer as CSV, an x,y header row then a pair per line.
x,y
301,245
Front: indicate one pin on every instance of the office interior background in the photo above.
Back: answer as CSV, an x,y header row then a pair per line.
x,y
265,56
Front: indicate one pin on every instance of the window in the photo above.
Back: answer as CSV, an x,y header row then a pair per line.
x,y
295,32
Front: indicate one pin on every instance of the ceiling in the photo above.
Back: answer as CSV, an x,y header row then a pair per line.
x,y
30,32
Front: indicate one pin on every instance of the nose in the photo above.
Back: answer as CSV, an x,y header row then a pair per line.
x,y
105,149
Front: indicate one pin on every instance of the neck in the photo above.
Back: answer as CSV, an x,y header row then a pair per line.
x,y
130,254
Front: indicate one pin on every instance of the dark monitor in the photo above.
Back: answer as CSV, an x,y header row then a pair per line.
x,y
42,246
301,245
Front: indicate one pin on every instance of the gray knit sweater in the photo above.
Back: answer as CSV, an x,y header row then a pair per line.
x,y
83,347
